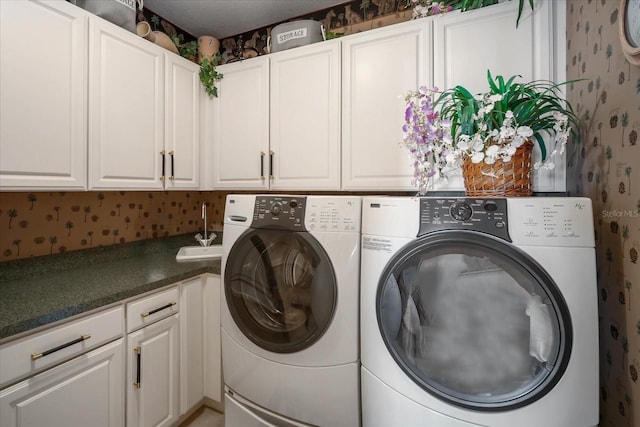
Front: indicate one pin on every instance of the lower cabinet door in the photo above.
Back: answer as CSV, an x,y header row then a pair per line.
x,y
85,391
152,374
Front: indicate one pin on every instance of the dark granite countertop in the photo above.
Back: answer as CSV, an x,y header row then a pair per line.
x,y
38,291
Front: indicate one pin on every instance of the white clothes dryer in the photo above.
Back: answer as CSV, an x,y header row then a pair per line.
x,y
290,337
478,312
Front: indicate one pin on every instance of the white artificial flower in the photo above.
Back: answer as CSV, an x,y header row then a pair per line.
x,y
477,144
507,133
492,151
524,131
509,150
464,142
477,157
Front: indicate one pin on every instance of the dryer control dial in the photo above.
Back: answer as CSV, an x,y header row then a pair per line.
x,y
275,208
460,211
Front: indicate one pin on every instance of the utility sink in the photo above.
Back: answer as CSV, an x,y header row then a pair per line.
x,y
187,253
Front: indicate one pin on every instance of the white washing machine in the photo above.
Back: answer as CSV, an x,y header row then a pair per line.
x,y
290,337
478,312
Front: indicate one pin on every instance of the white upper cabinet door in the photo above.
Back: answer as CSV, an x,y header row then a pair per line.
x,y
465,45
465,48
126,109
240,128
182,123
43,96
305,118
378,68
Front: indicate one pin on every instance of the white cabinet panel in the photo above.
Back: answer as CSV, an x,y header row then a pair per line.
x,y
240,129
126,93
191,346
182,123
464,51
45,349
43,102
85,391
212,340
152,374
305,117
378,68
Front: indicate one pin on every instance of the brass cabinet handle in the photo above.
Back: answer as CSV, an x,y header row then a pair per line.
x,y
262,165
138,352
36,356
271,153
163,153
172,170
155,310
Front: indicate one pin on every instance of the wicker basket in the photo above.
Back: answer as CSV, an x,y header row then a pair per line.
x,y
500,179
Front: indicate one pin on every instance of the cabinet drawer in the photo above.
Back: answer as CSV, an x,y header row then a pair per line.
x,y
151,308
35,352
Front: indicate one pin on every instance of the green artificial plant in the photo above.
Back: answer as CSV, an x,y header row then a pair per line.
x,y
209,75
465,5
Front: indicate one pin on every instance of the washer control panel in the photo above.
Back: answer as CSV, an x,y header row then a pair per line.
x,y
483,215
281,212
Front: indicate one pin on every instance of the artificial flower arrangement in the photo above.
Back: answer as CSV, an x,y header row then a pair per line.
x,y
424,8
445,131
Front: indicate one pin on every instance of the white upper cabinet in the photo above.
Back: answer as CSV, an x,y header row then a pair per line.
x,y
126,109
468,44
276,121
43,99
143,113
239,132
378,68
182,123
305,118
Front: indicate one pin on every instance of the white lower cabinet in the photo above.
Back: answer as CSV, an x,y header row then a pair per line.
x,y
212,340
152,367
153,360
85,373
191,346
200,351
85,391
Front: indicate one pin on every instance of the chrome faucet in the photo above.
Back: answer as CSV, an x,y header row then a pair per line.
x,y
205,241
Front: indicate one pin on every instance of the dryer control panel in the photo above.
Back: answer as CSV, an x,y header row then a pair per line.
x,y
483,215
281,212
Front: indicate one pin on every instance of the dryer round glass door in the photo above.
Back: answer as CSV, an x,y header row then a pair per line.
x,y
474,320
280,288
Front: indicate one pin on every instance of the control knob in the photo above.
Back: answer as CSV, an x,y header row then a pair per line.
x,y
460,211
275,208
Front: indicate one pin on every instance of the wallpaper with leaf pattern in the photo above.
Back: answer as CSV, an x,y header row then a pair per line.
x,y
606,168
34,224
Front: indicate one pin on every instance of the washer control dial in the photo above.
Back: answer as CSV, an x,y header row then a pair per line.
x,y
460,211
275,208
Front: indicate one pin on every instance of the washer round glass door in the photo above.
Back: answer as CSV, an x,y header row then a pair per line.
x,y
280,288
474,321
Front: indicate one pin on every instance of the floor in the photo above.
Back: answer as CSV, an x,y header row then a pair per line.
x,y
204,417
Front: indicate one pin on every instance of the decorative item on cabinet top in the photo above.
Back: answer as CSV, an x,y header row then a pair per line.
x,y
294,34
488,135
143,29
119,12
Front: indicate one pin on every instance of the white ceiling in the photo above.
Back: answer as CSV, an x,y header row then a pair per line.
x,y
224,18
